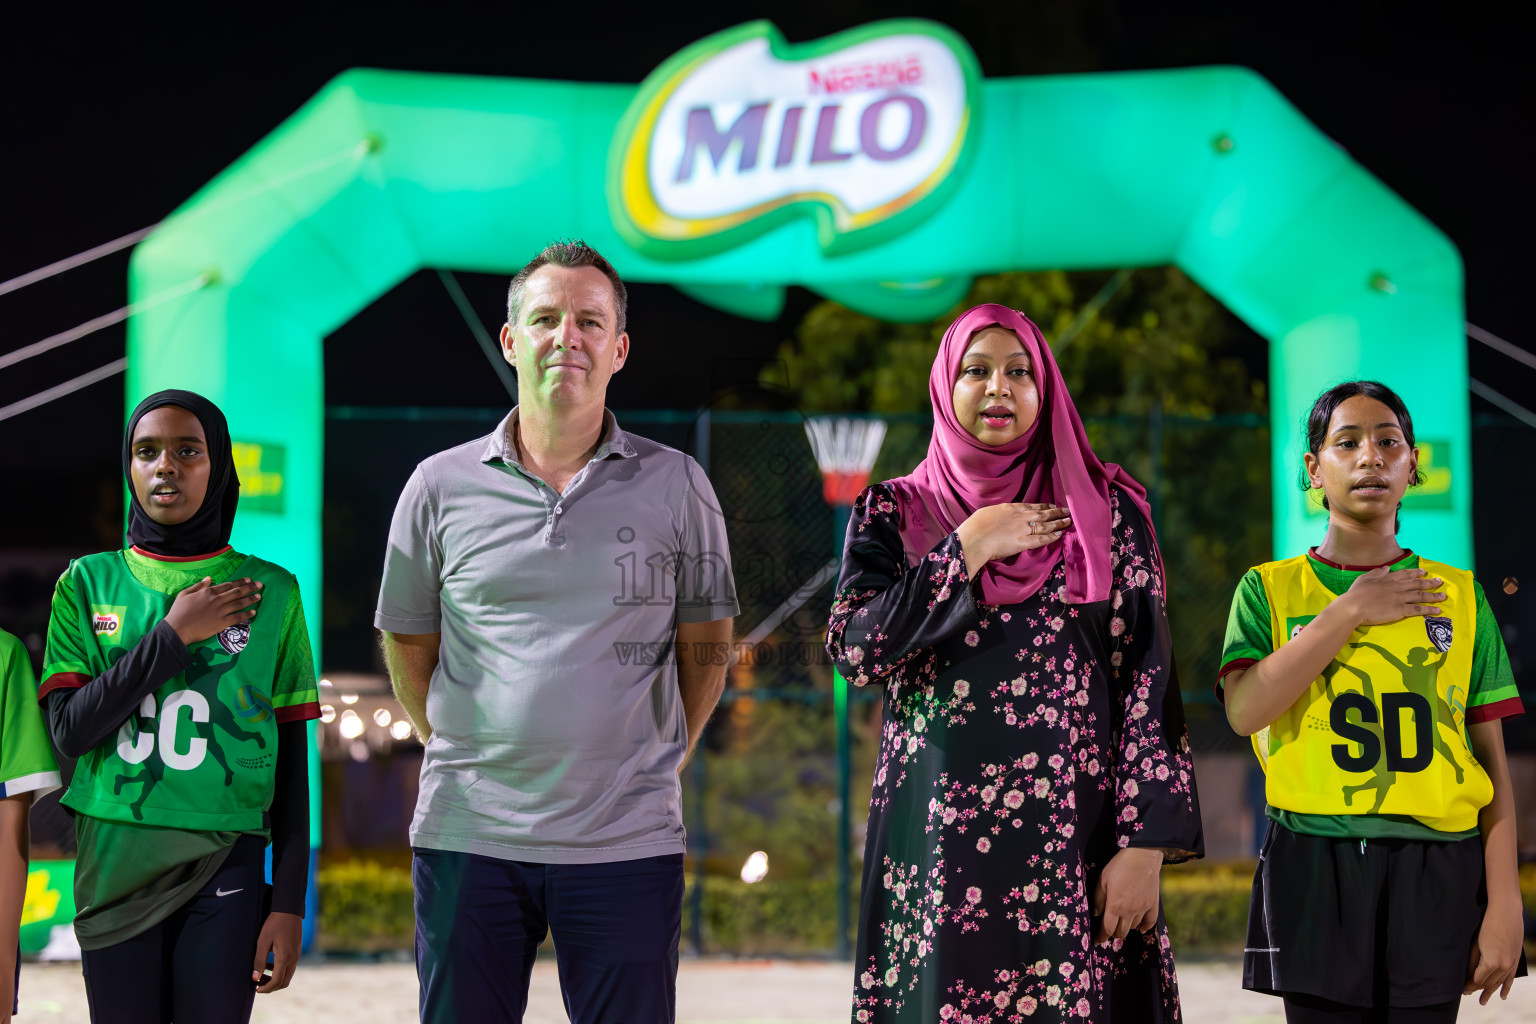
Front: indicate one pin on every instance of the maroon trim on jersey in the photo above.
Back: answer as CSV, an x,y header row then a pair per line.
x,y
180,558
62,681
297,712
1235,665
1509,707
1359,568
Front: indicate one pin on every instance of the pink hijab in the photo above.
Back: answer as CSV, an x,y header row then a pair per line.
x,y
1050,462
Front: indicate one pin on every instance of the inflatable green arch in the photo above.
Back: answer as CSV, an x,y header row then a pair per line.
x,y
901,174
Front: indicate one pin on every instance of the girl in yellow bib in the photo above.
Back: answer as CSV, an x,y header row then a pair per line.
x,y
1373,683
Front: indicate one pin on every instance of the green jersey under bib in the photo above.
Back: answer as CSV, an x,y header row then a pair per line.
x,y
201,750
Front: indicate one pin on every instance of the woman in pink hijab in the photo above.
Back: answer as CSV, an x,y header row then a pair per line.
x,y
1034,771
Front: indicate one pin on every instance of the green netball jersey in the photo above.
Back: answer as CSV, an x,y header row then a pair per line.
x,y
136,867
201,750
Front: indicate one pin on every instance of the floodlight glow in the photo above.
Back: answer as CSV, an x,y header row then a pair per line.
x,y
381,717
756,868
349,698
351,726
327,714
401,729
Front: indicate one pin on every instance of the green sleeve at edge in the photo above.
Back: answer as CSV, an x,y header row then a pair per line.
x,y
1492,678
66,648
294,682
1248,630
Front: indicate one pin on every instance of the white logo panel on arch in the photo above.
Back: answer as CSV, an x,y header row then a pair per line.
x,y
864,127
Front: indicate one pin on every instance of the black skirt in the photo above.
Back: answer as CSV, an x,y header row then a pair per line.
x,y
1376,922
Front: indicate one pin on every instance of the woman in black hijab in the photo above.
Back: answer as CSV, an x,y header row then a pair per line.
x,y
179,673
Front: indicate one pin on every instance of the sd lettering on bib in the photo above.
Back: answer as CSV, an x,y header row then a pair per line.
x,y
1382,730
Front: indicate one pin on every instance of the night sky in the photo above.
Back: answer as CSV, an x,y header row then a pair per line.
x,y
114,119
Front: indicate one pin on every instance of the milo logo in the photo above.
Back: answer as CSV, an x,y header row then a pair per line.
x,y
107,621
863,132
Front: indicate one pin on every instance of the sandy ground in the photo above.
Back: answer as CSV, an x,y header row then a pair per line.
x,y
708,992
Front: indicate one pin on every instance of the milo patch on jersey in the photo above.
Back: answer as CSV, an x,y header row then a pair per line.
x,y
1439,630
1293,625
107,621
234,638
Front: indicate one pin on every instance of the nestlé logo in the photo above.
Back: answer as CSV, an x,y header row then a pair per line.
x,y
862,131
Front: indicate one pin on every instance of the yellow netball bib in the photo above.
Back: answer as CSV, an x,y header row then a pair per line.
x,y
1382,730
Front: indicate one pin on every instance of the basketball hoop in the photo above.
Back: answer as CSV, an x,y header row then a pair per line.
x,y
845,453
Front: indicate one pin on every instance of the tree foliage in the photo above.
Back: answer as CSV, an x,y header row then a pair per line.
x,y
1159,338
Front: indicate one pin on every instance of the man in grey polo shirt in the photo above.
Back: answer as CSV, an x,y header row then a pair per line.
x,y
553,594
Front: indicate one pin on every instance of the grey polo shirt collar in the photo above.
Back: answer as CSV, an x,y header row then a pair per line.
x,y
500,449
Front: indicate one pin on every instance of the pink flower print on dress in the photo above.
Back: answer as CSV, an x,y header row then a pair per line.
x,y
973,895
1013,799
1030,759
983,844
1027,1005
972,638
962,689
1116,626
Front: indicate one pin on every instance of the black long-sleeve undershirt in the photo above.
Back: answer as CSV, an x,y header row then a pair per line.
x,y
290,819
82,718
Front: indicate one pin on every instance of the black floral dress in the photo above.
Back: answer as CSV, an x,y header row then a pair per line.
x,y
1023,745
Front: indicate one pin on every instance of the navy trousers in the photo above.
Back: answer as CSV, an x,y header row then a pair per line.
x,y
480,920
